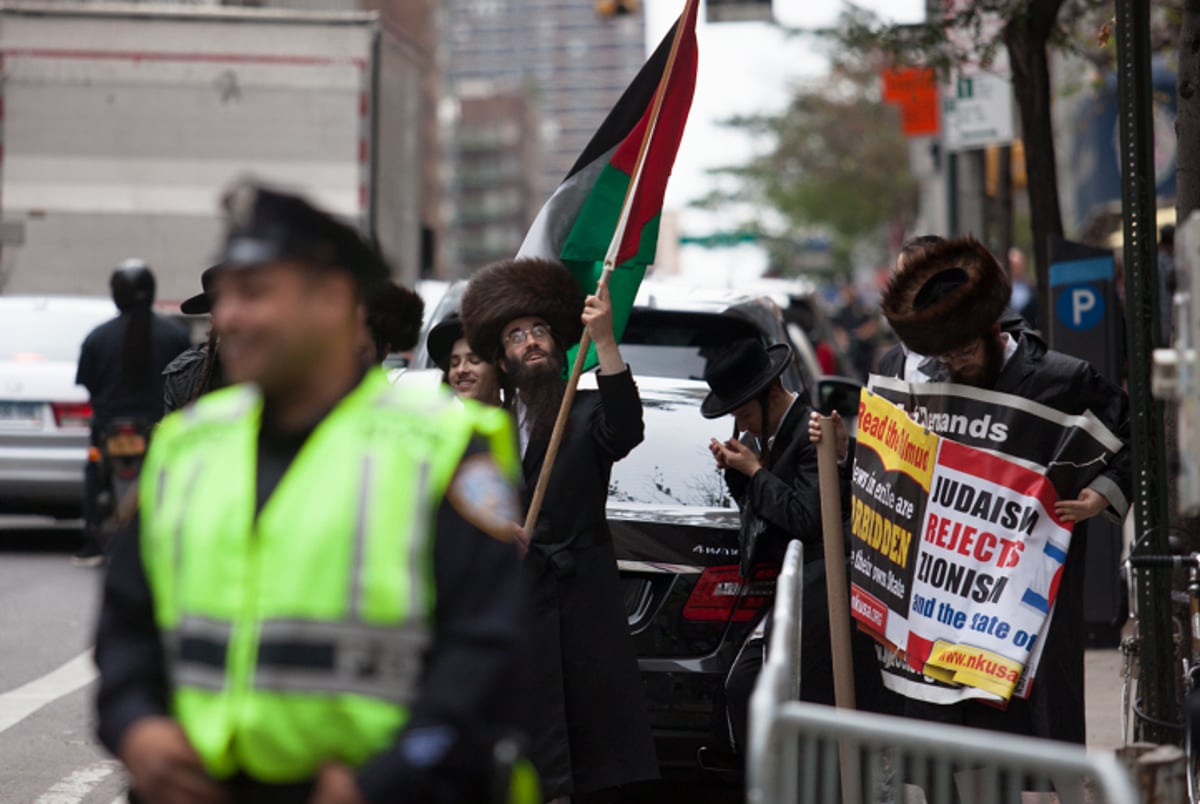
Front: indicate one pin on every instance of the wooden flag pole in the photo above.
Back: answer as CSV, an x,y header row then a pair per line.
x,y
837,593
614,247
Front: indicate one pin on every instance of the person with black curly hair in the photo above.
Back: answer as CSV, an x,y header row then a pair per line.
x,y
393,320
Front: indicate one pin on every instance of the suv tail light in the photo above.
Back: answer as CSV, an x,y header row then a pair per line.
x,y
719,594
72,414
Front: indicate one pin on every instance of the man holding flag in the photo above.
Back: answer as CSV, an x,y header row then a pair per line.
x,y
591,729
595,236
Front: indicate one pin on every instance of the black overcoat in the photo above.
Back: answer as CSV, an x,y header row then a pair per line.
x,y
786,496
591,727
1055,708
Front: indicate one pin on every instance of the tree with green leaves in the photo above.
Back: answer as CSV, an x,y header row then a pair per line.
x,y
836,165
1029,29
1187,124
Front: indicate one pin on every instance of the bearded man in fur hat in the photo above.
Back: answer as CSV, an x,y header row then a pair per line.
x,y
591,730
948,303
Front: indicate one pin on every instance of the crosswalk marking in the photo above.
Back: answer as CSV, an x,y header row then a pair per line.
x,y
22,702
75,787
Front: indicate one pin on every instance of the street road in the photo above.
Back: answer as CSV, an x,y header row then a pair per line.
x,y
48,752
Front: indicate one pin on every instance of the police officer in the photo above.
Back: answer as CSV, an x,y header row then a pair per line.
x,y
121,364
320,602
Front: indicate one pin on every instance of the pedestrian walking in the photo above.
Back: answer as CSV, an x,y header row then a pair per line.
x,y
320,600
592,731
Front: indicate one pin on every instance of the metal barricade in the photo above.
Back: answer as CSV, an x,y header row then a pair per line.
x,y
794,747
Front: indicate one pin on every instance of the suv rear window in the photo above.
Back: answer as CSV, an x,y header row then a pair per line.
x,y
673,466
670,343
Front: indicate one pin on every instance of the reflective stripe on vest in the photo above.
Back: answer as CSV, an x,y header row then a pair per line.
x,y
381,662
297,635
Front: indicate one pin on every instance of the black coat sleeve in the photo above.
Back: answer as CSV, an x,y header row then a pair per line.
x,y
133,679
470,692
1111,405
182,380
737,483
793,506
173,393
86,369
617,424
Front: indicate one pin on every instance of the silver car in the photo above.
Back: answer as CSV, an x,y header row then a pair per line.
x,y
44,416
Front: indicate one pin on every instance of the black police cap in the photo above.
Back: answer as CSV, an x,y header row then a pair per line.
x,y
266,225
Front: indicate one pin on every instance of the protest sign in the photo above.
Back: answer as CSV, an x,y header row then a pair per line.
x,y
956,553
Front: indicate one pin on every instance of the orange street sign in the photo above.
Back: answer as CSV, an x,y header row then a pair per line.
x,y
915,91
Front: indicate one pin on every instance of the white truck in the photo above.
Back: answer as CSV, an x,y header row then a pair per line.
x,y
120,124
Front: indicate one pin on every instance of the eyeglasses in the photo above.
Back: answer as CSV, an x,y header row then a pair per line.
x,y
517,337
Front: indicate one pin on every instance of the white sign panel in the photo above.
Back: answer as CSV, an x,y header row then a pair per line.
x,y
977,111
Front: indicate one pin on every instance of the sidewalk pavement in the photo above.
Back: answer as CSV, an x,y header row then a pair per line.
x,y
1102,669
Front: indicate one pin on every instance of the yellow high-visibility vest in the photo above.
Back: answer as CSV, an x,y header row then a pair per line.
x,y
296,637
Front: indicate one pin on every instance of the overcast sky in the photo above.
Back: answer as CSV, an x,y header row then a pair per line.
x,y
744,68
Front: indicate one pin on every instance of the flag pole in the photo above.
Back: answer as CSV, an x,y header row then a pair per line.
x,y
614,248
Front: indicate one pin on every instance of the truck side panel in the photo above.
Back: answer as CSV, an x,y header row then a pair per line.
x,y
119,135
398,156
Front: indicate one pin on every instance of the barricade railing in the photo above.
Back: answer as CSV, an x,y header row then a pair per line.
x,y
794,747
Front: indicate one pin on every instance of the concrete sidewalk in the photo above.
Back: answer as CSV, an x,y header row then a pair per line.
x,y
1103,669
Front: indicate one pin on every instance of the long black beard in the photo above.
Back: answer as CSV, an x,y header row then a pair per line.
x,y
540,388
993,362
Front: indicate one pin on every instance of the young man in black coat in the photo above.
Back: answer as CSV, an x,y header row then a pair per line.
x,y
777,488
949,303
591,730
197,370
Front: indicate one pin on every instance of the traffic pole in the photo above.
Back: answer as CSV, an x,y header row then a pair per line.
x,y
1156,686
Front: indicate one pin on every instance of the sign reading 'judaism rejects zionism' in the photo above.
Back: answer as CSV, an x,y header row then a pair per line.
x,y
956,553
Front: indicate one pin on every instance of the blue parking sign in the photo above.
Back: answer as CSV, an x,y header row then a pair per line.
x,y
1079,307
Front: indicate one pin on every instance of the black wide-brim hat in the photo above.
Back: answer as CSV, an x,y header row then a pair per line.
x,y
201,303
267,225
741,372
505,291
948,296
441,340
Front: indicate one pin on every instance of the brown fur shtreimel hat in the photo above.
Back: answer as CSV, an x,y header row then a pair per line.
x,y
512,289
949,295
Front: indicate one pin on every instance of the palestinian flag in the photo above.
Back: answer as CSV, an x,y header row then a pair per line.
x,y
624,169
